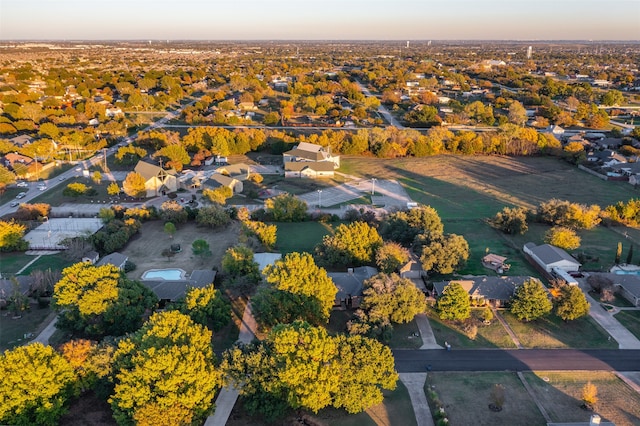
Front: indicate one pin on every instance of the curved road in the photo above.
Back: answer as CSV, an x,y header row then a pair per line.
x,y
411,361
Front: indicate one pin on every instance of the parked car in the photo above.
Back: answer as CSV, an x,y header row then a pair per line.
x,y
21,195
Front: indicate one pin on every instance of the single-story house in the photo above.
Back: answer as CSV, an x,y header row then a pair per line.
x,y
240,171
157,179
628,285
172,290
217,180
21,140
548,257
496,291
308,169
350,285
315,157
7,287
116,259
11,158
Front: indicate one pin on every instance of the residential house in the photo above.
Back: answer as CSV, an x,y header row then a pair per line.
x,y
308,169
12,159
495,291
350,285
91,257
116,259
172,290
157,179
240,171
217,180
21,140
23,285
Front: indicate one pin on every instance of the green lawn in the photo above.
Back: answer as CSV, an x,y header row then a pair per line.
x,y
11,263
488,336
13,331
631,321
301,236
55,262
552,332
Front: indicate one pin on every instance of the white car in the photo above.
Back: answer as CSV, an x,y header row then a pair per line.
x,y
42,188
22,185
14,204
21,195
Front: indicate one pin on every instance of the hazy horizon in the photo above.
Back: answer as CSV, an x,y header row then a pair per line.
x,y
312,20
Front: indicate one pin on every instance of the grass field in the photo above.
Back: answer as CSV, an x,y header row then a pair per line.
x,y
560,394
301,236
465,397
551,332
467,190
11,263
631,321
13,331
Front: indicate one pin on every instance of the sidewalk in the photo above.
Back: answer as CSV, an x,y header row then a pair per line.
x,y
414,383
228,395
426,332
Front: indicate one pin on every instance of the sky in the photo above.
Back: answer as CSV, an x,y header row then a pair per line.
x,y
319,20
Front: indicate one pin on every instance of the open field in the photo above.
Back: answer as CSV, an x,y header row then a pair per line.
x,y
145,249
301,236
560,394
405,336
465,397
467,190
31,322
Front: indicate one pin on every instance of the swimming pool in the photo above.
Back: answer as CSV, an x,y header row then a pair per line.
x,y
164,274
621,272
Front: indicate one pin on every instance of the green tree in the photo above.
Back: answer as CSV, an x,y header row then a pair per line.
x,y
11,236
166,367
266,234
96,177
76,189
35,383
206,306
562,237
404,226
176,154
571,304
301,366
391,256
172,211
113,189
352,244
98,300
511,220
201,248
445,254
530,301
613,97
238,262
169,229
286,208
517,113
454,304
106,214
392,298
304,284
213,216
630,255
134,185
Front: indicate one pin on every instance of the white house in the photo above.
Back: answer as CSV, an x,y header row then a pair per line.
x,y
157,179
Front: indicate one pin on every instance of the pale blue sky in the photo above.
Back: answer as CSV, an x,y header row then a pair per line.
x,y
320,20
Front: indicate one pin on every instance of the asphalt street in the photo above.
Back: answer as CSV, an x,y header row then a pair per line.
x,y
411,361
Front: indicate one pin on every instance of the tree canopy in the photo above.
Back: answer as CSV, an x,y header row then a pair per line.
x,y
562,237
454,304
11,236
35,383
352,244
392,298
511,220
134,185
571,303
301,366
404,226
530,301
98,300
286,208
165,367
444,254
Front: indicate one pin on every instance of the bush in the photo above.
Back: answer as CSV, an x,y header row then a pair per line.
x,y
129,266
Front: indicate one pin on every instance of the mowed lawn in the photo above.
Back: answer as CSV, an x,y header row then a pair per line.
x,y
466,191
301,236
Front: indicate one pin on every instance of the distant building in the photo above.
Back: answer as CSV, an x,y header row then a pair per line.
x,y
495,291
157,179
309,160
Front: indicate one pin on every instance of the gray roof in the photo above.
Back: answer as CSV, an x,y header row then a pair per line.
x,y
630,282
115,258
24,284
551,254
491,288
148,170
318,166
174,290
217,180
350,284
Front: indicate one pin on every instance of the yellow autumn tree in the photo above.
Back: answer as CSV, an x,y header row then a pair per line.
x,y
165,367
35,383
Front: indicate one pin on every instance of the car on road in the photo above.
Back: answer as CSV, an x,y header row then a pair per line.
x,y
14,204
22,185
42,188
61,178
21,195
78,169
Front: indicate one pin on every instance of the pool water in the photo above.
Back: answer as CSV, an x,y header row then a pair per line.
x,y
621,272
164,274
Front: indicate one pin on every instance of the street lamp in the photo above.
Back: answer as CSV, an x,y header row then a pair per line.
x,y
319,198
373,185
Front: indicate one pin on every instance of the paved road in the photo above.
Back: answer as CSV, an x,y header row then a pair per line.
x,y
382,110
408,361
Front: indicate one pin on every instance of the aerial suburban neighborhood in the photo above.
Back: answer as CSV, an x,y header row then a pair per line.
x,y
320,232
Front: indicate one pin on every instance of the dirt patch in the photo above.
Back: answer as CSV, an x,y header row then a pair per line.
x,y
145,249
89,410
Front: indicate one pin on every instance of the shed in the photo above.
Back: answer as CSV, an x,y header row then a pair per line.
x,y
116,259
548,257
